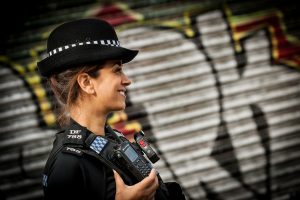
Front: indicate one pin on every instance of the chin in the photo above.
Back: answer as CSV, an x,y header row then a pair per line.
x,y
119,108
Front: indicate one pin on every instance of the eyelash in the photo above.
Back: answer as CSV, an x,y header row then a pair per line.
x,y
119,69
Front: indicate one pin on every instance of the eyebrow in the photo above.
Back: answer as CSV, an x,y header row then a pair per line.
x,y
119,63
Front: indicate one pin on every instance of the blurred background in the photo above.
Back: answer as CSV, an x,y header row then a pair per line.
x,y
216,89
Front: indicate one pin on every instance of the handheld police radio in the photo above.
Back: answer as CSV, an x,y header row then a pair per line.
x,y
129,156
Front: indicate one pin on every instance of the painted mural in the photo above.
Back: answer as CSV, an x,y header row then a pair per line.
x,y
216,89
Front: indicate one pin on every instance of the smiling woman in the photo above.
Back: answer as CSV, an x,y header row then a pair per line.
x,y
108,89
85,71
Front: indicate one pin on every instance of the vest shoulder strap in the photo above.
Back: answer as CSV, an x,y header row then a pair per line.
x,y
57,146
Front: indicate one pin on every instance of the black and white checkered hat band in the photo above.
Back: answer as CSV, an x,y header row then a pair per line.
x,y
98,144
113,43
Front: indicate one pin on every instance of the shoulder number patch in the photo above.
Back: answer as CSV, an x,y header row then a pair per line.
x,y
72,150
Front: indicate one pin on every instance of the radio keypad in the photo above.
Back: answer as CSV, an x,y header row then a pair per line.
x,y
143,167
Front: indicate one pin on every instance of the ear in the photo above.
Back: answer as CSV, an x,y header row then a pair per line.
x,y
86,84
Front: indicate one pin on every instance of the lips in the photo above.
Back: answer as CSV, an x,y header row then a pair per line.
x,y
122,92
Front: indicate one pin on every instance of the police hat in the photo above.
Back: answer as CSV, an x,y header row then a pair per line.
x,y
82,42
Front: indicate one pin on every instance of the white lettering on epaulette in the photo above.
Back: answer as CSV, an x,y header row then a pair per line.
x,y
73,150
74,136
75,131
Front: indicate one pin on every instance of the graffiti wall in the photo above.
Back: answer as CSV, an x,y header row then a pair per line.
x,y
216,89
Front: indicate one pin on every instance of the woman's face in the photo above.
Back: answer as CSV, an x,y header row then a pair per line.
x,y
110,87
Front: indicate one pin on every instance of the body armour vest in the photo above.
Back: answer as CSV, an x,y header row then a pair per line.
x,y
79,158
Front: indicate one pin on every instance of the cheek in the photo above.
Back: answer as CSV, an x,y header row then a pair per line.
x,y
106,91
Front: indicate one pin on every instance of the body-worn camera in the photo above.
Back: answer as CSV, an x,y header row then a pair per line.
x,y
130,156
145,146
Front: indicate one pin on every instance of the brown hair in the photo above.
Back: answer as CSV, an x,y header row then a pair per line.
x,y
66,89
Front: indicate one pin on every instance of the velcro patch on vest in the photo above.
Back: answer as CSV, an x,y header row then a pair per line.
x,y
45,179
98,144
72,150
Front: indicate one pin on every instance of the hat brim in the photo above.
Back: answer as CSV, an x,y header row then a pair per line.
x,y
89,54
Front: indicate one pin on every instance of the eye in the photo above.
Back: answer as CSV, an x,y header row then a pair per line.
x,y
119,69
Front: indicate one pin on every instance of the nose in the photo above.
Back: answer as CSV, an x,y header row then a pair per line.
x,y
125,80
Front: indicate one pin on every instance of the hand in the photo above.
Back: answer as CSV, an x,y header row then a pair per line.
x,y
144,190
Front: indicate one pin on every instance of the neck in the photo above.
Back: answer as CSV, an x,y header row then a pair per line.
x,y
94,122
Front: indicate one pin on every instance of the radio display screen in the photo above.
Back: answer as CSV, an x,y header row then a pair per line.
x,y
132,155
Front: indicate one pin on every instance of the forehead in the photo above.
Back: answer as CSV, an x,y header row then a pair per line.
x,y
111,65
113,62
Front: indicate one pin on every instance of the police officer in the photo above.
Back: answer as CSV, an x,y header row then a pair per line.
x,y
84,67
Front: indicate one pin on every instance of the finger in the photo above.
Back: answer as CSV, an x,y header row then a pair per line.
x,y
156,182
152,188
148,182
154,177
152,194
119,181
148,193
150,179
153,172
